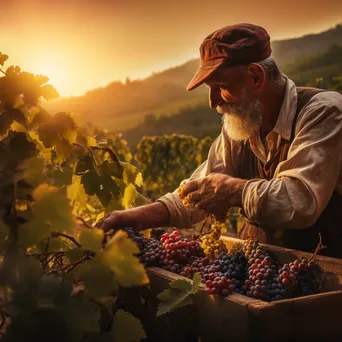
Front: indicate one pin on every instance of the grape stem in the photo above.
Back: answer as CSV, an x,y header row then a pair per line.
x,y
319,247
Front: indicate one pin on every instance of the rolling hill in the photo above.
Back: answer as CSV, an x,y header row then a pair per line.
x,y
119,107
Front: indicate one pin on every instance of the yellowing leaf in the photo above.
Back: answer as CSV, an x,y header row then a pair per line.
x,y
127,328
63,149
139,179
51,213
131,173
119,256
77,195
91,141
91,239
129,197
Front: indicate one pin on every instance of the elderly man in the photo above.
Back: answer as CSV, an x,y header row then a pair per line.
x,y
278,157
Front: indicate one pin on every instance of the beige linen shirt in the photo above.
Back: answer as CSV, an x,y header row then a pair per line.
x,y
302,185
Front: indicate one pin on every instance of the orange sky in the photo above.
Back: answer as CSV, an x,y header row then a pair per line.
x,y
83,44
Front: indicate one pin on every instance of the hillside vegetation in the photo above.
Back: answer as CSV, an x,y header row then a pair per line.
x,y
123,106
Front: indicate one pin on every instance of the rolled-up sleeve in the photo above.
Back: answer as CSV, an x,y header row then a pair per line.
x,y
304,183
185,217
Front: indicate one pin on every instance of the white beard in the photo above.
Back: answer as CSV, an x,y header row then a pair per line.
x,y
241,121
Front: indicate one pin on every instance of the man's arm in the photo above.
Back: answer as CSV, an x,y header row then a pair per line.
x,y
147,216
304,183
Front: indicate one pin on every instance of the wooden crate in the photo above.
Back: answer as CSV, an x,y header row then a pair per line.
x,y
240,318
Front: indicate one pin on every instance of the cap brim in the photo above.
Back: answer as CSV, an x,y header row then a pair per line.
x,y
203,73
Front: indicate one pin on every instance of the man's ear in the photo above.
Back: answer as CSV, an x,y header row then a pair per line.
x,y
257,75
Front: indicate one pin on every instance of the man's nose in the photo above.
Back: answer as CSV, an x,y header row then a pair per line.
x,y
215,98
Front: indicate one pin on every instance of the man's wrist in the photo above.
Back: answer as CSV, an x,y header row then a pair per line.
x,y
236,187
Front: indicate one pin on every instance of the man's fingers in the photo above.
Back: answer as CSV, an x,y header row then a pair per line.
x,y
189,187
193,196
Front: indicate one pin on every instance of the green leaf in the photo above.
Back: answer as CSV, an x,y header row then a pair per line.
x,y
91,239
74,254
91,182
181,284
48,92
5,122
196,282
119,256
62,177
33,170
29,270
127,328
18,116
178,295
45,220
84,164
110,168
97,278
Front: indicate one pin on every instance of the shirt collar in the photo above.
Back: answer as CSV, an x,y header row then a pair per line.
x,y
287,113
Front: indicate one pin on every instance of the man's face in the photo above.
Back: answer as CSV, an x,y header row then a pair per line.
x,y
242,113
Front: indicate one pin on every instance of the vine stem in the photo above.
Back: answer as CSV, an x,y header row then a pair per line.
x,y
72,266
44,253
84,222
69,237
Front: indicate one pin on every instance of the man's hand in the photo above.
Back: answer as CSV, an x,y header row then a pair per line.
x,y
147,216
111,220
215,193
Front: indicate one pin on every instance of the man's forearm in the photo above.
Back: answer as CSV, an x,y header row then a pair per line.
x,y
147,216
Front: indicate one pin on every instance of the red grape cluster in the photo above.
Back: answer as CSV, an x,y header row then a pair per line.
x,y
247,270
218,284
177,250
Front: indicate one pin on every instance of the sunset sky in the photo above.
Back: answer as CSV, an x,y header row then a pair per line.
x,y
83,44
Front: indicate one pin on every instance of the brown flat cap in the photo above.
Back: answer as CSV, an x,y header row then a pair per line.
x,y
229,46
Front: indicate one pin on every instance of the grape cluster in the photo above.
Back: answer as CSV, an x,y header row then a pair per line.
x,y
248,269
219,285
211,243
177,250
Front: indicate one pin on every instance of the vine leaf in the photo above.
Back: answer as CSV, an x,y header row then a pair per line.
x,y
129,196
91,240
47,91
3,58
127,328
119,255
45,220
74,254
97,278
77,194
58,131
61,177
178,295
132,174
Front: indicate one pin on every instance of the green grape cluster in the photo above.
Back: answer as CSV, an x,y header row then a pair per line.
x,y
211,243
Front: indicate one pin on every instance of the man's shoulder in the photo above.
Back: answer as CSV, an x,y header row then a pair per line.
x,y
329,98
